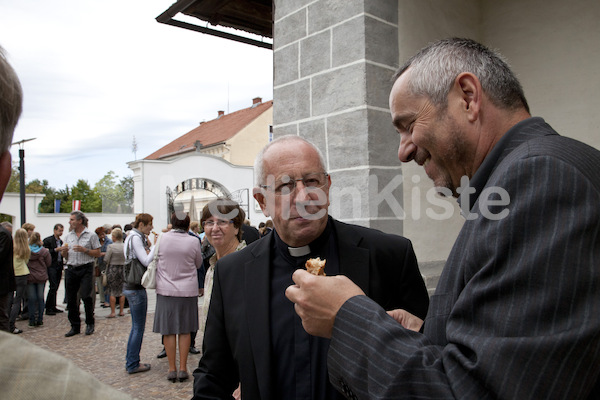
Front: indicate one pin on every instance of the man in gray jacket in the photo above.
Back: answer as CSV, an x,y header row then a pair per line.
x,y
514,315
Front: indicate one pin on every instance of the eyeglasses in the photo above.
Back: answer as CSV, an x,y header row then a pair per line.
x,y
287,185
221,223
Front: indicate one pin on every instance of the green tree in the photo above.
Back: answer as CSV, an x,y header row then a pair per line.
x,y
108,191
116,197
126,187
109,194
90,199
14,184
64,195
37,186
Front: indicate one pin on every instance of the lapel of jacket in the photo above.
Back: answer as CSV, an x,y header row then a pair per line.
x,y
256,295
354,260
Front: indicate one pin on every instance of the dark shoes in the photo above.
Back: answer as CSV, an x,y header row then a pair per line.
x,y
162,354
16,331
72,332
89,329
173,376
50,312
140,368
58,310
183,375
194,350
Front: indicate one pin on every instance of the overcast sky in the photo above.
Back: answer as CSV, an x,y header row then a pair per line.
x,y
97,73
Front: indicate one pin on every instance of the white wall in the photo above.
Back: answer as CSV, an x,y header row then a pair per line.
x,y
152,177
44,223
554,48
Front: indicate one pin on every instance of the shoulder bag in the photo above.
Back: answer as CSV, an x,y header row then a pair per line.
x,y
149,277
133,270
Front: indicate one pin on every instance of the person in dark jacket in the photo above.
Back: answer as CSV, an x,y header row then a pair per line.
x,y
7,277
54,245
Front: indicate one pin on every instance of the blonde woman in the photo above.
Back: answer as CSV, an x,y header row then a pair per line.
x,y
21,254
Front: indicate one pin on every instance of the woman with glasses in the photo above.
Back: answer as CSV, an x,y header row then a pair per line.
x,y
179,256
222,221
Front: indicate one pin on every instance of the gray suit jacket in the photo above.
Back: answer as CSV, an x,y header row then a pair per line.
x,y
237,340
516,313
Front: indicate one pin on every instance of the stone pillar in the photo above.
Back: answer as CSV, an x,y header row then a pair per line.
x,y
333,63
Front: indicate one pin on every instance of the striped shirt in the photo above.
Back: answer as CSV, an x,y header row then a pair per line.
x,y
88,240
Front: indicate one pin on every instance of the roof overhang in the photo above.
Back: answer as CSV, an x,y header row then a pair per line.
x,y
252,16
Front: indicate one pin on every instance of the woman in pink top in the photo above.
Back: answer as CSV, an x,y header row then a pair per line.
x,y
176,315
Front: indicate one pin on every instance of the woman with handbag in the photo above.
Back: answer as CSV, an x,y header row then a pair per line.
x,y
138,254
176,315
115,259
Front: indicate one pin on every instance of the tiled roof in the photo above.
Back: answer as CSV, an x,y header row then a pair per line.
x,y
212,132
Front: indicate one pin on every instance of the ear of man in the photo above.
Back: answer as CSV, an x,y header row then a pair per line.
x,y
5,170
259,196
470,94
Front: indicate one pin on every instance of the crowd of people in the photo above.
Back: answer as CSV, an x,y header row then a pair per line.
x,y
513,312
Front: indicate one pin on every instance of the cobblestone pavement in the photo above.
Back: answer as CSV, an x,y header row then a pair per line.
x,y
103,353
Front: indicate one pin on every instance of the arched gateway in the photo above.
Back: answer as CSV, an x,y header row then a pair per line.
x,y
193,194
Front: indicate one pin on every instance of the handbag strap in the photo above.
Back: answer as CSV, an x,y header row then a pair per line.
x,y
156,249
129,244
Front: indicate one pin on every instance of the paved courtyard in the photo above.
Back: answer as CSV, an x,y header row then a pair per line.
x,y
103,353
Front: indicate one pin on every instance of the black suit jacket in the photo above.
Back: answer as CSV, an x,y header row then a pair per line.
x,y
51,245
516,313
7,272
249,234
237,344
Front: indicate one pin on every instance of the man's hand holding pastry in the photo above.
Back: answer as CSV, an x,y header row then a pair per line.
x,y
318,299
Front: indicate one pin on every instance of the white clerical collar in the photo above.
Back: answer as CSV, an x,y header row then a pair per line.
x,y
299,251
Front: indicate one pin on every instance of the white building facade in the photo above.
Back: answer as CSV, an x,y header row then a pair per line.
x,y
190,181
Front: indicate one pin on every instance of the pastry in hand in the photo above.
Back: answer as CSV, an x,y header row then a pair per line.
x,y
316,266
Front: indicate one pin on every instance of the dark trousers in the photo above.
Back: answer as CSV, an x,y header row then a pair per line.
x,y
54,277
20,293
5,303
80,279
